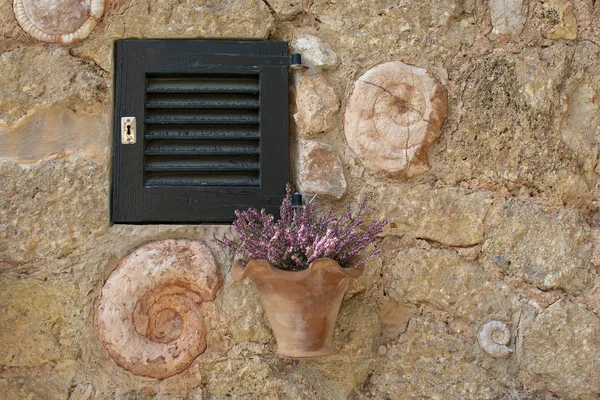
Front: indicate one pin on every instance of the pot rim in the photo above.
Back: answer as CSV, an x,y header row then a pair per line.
x,y
241,270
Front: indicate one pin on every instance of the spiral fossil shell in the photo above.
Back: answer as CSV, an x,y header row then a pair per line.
x,y
394,112
494,337
149,318
58,21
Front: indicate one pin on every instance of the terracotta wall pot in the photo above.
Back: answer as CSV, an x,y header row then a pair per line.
x,y
301,306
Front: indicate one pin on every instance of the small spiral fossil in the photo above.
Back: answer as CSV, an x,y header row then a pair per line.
x,y
149,318
394,112
493,337
58,21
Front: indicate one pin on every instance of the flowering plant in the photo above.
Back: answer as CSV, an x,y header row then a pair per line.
x,y
301,236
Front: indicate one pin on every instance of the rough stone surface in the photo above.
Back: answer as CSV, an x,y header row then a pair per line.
x,y
316,54
559,18
316,105
507,17
562,348
451,216
393,114
50,208
34,77
320,170
440,277
286,8
546,247
448,366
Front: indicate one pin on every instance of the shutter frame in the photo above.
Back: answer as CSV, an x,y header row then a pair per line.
x,y
134,200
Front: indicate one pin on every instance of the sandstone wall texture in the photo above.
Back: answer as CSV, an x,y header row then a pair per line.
x,y
503,226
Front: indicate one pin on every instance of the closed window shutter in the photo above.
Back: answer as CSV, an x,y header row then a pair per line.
x,y
211,127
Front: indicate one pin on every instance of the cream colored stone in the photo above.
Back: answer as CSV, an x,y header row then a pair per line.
x,y
50,208
395,318
57,130
442,278
507,18
433,360
547,247
149,317
316,105
320,170
286,8
41,320
451,216
32,77
562,347
316,54
393,114
559,19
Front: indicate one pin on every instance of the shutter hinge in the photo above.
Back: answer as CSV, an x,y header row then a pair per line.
x,y
296,62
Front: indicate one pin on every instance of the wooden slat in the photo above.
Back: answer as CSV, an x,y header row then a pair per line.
x,y
212,132
203,84
203,147
202,100
187,163
217,180
178,116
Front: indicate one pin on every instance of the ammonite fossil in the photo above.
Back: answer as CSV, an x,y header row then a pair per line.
x,y
393,114
494,337
58,21
149,319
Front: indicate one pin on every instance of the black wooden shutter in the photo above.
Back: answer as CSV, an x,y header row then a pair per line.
x,y
211,127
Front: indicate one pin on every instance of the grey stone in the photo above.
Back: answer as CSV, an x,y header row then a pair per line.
x,y
507,17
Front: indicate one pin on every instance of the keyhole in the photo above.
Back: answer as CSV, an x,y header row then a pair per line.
x,y
129,132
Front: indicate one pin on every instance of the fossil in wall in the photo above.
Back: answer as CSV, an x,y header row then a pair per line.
x,y
394,112
58,21
494,337
150,318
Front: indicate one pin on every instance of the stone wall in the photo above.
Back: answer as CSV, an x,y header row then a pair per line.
x,y
503,225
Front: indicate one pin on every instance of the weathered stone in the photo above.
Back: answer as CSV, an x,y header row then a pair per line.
x,y
316,105
316,54
547,247
41,320
286,8
395,317
50,208
64,21
320,170
507,18
451,216
172,19
57,130
149,319
432,359
50,384
11,34
559,19
505,137
393,113
444,279
33,77
562,348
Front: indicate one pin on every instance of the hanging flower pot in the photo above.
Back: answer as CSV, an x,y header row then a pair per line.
x,y
302,306
301,264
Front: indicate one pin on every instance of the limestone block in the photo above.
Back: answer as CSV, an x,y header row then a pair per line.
x,y
64,21
507,18
393,113
559,20
562,348
37,76
549,248
432,359
149,318
41,320
316,105
320,170
286,8
50,208
451,216
316,54
444,279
